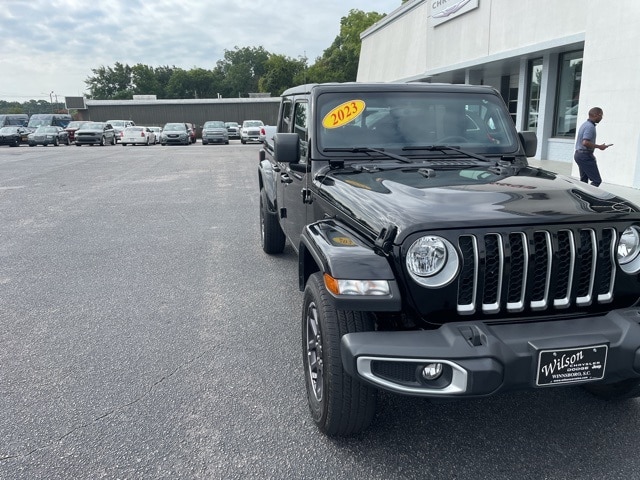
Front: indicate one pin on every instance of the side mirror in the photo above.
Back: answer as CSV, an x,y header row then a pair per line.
x,y
529,142
286,147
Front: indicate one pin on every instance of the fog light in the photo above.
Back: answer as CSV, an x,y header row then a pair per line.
x,y
432,371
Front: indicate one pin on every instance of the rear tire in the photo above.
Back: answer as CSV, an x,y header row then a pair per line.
x,y
271,235
340,405
623,390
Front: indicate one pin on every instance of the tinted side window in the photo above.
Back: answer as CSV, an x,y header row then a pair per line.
x,y
300,127
285,118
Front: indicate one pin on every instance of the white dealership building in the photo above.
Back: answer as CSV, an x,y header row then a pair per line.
x,y
552,60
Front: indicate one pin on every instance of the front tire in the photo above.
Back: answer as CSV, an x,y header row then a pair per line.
x,y
102,141
340,405
623,390
271,235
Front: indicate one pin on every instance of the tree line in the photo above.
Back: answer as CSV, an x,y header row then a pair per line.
x,y
241,71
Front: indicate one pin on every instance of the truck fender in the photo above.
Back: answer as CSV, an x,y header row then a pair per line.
x,y
267,181
330,247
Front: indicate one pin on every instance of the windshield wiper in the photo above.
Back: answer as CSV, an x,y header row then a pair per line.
x,y
369,150
442,148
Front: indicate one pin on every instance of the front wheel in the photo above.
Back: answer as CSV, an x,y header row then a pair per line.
x,y
623,390
56,142
340,405
102,141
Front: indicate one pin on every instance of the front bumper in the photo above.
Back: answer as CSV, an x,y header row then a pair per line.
x,y
214,138
481,359
183,140
88,139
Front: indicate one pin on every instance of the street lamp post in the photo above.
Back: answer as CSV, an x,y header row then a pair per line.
x,y
51,100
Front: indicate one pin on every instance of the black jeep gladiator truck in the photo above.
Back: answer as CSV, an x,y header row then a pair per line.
x,y
434,260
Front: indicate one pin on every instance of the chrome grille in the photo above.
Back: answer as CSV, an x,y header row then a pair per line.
x,y
542,270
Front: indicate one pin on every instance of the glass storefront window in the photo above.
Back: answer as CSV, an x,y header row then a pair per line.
x,y
566,115
533,103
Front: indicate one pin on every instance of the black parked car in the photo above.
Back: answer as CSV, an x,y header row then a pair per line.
x,y
13,135
49,136
435,262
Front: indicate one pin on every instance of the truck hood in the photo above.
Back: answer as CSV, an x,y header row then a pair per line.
x,y
415,199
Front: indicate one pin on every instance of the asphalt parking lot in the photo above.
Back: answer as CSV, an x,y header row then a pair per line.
x,y
145,334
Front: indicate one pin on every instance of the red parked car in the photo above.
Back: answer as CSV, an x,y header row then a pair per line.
x,y
71,129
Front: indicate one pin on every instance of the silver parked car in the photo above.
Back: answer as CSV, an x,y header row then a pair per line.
x,y
214,131
95,133
175,133
233,128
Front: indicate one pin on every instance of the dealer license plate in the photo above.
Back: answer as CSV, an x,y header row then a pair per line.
x,y
571,365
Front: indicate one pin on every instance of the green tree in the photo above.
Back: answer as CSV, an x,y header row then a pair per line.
x,y
339,62
179,85
242,69
111,83
11,107
280,74
144,80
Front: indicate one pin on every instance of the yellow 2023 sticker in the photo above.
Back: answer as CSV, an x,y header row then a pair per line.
x,y
343,114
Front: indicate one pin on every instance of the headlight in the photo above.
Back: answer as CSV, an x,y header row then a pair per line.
x,y
432,261
629,250
356,287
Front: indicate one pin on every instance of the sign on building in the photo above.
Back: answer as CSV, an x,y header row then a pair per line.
x,y
441,11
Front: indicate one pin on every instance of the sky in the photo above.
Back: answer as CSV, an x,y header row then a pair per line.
x,y
49,47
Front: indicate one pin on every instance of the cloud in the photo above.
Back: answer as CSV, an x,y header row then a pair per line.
x,y
53,44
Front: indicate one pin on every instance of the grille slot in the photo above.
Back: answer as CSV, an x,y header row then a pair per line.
x,y
540,270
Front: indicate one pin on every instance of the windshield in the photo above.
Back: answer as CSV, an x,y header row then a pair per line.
x,y
46,130
214,125
175,127
92,125
396,120
252,123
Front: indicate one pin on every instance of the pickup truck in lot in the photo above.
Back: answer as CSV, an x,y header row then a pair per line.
x,y
435,261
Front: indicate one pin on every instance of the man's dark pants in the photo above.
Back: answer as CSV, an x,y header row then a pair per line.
x,y
588,167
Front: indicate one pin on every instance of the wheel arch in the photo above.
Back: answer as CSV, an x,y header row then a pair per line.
x,y
332,248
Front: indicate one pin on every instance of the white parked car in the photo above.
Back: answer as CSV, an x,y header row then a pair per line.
x,y
250,131
157,131
137,136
